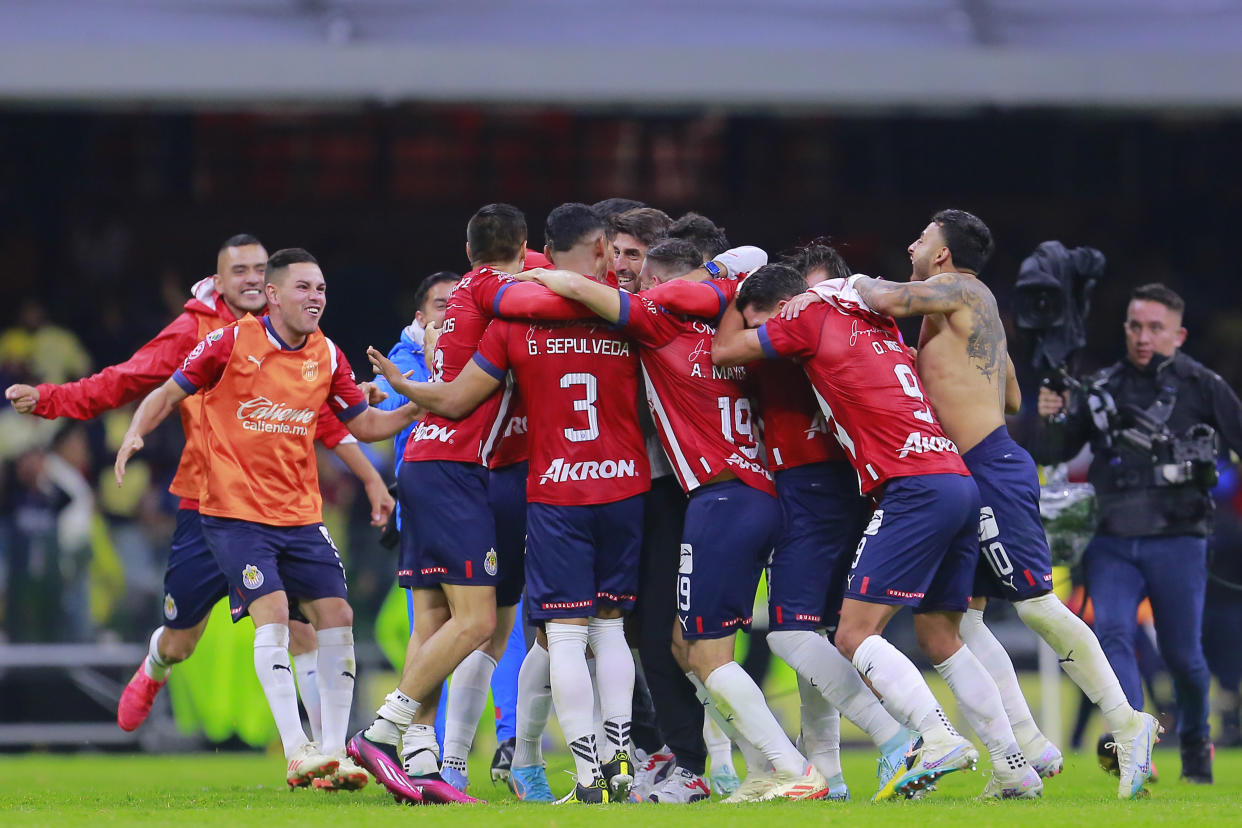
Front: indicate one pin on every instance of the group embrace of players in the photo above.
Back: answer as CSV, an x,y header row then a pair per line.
x,y
802,434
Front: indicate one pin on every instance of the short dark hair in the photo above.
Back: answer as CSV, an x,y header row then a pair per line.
x,y
818,254
610,207
704,233
428,282
1159,292
969,240
240,240
496,233
768,285
676,254
278,262
571,223
647,224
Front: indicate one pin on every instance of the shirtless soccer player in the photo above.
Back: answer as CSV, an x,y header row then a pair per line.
x,y
264,383
919,548
963,365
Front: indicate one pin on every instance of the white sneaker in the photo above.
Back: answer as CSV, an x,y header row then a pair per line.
x,y
753,787
307,764
650,773
681,787
1026,785
929,763
347,777
1134,744
810,784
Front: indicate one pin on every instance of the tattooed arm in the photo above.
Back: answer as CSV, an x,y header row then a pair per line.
x,y
939,294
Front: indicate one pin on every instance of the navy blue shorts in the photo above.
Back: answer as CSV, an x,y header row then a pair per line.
x,y
919,548
258,560
506,495
822,518
449,535
727,540
580,559
1014,561
193,582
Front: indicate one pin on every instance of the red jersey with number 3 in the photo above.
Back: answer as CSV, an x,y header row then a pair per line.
x,y
700,410
473,438
867,388
579,381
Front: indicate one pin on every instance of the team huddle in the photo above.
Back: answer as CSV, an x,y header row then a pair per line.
x,y
638,423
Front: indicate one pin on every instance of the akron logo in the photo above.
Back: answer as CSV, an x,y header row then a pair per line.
x,y
170,607
252,577
489,562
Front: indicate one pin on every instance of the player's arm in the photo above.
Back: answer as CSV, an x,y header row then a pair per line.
x,y
939,294
1013,393
151,412
376,490
453,399
531,300
115,385
705,299
602,300
734,344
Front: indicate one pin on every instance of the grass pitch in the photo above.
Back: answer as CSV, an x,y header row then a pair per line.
x,y
229,789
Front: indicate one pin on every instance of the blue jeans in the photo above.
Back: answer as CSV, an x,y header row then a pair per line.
x,y
1172,572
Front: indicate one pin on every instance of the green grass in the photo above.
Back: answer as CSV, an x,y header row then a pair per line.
x,y
248,789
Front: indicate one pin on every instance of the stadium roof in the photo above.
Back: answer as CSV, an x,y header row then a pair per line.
x,y
747,53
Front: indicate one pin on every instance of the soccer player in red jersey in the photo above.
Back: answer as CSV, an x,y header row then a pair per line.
x,y
588,471
919,548
193,584
264,383
704,421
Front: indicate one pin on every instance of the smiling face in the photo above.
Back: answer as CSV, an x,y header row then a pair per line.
x,y
296,301
628,255
1152,328
239,278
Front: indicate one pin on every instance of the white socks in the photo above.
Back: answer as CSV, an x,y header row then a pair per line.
x,y
902,690
467,696
821,728
154,664
736,693
306,668
755,761
573,695
335,676
392,718
719,746
980,703
534,703
1080,655
271,665
976,635
614,670
814,657
420,754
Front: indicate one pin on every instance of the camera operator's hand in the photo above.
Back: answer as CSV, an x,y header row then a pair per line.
x,y
1050,402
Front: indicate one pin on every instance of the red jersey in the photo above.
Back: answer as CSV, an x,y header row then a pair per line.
x,y
260,405
867,388
580,381
148,369
701,410
513,446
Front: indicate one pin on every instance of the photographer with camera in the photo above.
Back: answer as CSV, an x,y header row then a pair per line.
x,y
1152,420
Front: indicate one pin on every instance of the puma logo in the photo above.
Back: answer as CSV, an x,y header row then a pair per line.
x,y
347,674
1068,658
284,667
256,360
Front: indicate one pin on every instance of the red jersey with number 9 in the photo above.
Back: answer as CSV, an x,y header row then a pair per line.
x,y
867,388
579,381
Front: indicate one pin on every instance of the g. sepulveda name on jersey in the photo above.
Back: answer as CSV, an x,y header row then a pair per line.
x,y
578,381
868,389
473,438
701,411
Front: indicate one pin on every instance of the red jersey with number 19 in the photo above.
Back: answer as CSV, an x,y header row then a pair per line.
x,y
868,389
579,381
700,410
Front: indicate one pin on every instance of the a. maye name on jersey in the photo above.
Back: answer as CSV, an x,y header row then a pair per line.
x,y
919,443
261,414
582,345
561,472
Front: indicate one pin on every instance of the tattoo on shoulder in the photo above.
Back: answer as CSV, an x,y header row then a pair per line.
x,y
985,342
